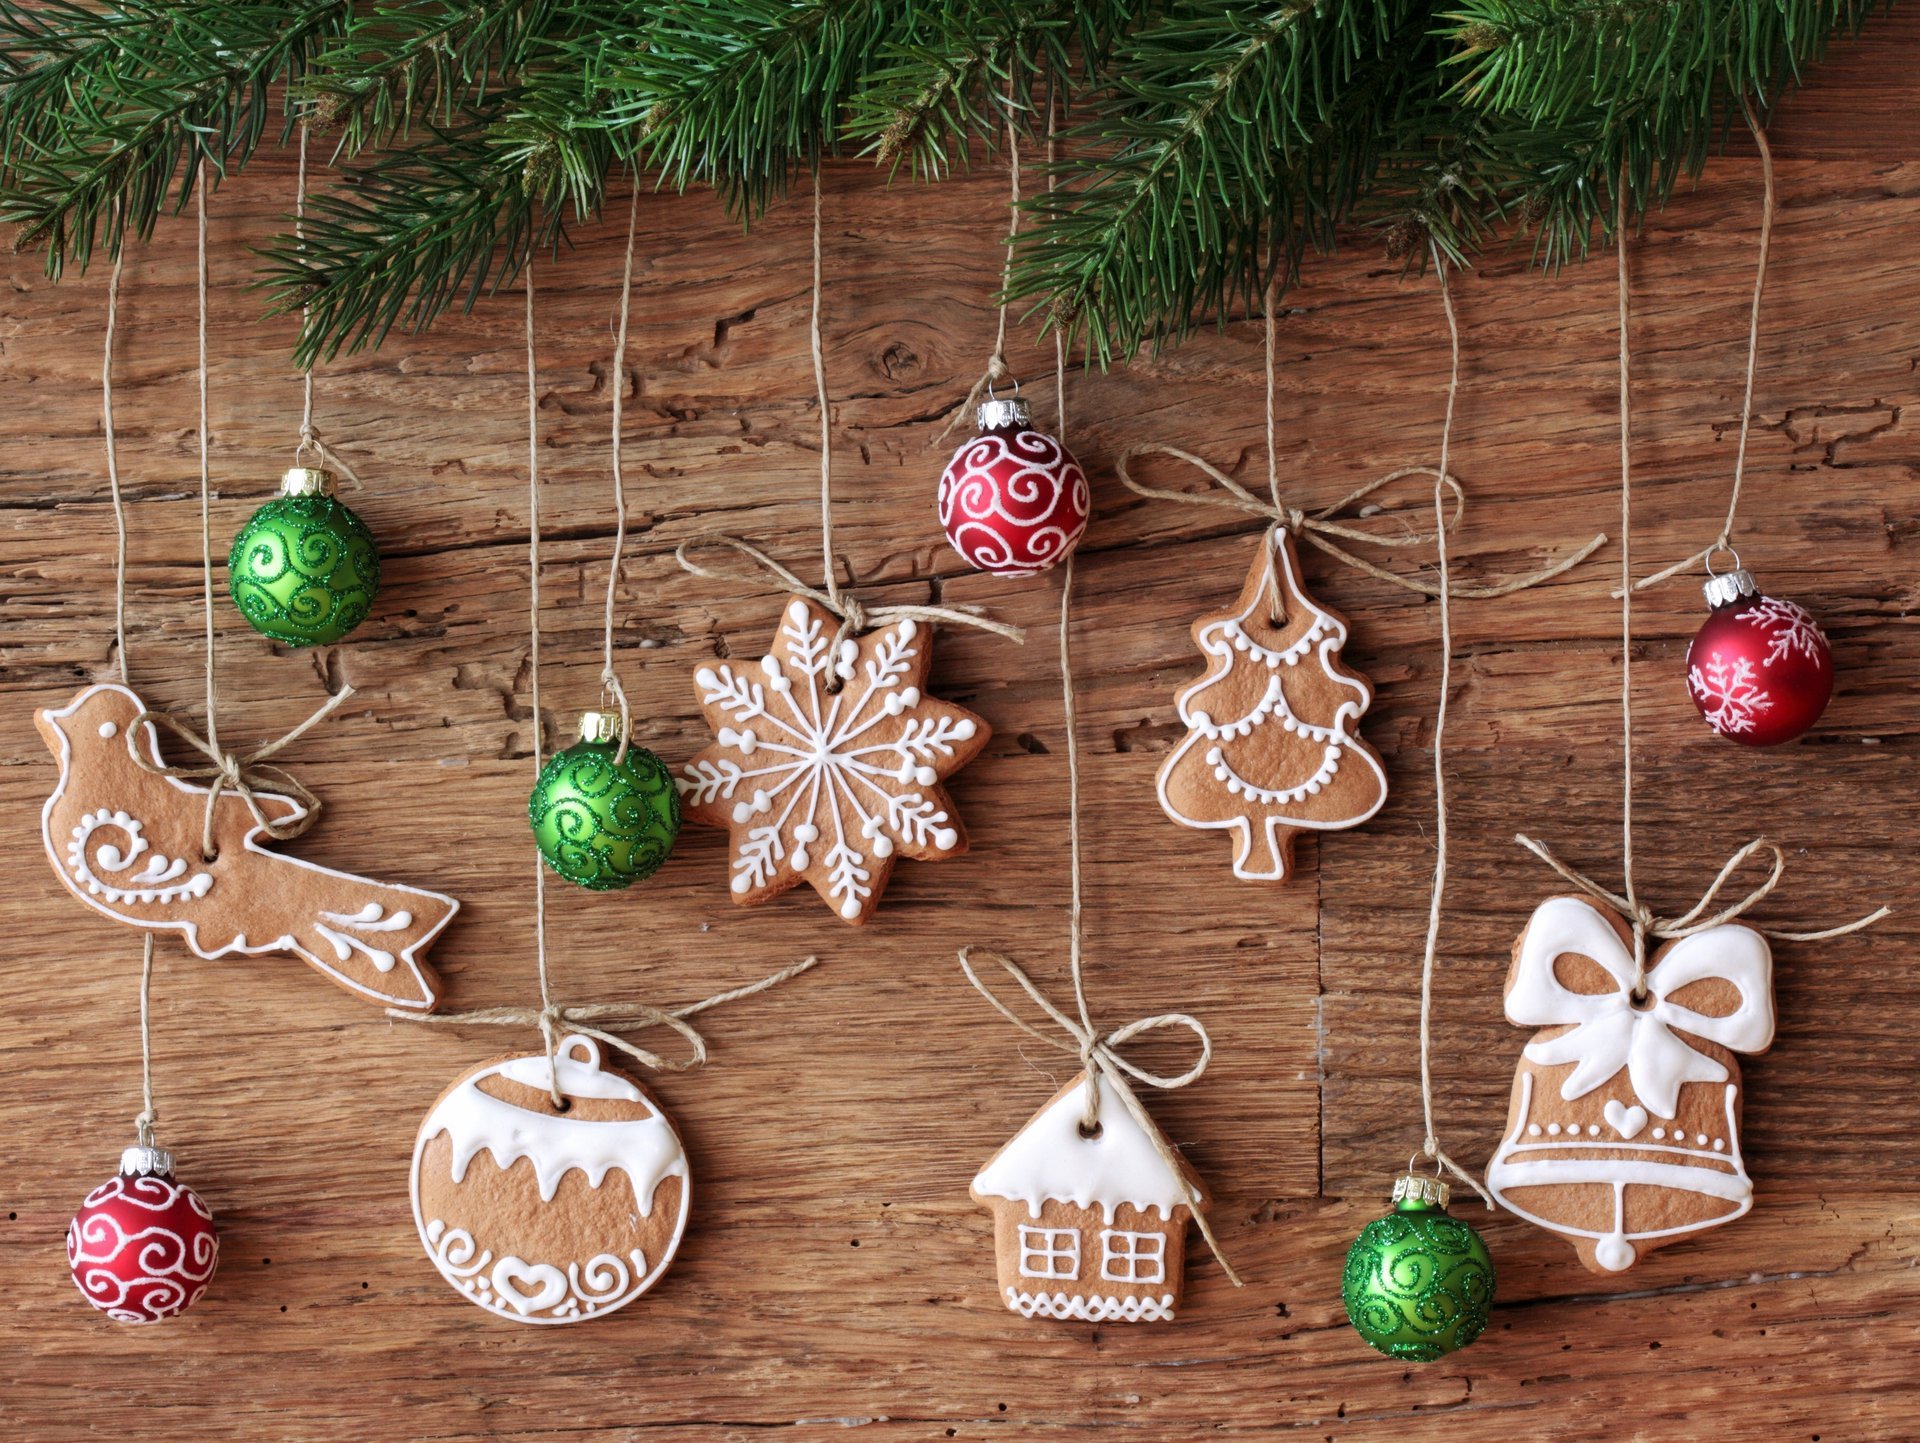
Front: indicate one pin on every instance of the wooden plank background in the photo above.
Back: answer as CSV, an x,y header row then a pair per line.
x,y
836,1277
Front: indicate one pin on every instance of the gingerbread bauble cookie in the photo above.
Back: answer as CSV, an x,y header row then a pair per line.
x,y
828,763
1272,746
548,1216
1623,1133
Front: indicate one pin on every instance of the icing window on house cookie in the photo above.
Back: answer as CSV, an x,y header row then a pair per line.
x,y
1049,1253
1127,1257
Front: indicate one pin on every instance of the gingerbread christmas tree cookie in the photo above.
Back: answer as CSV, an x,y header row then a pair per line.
x,y
1272,746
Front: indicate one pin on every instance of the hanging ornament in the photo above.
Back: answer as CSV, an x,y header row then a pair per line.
x,y
829,761
1013,500
304,570
1759,668
142,1247
545,1213
1418,1283
1623,1133
1273,745
129,836
601,820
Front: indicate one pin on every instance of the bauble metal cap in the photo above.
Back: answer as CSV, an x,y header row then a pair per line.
x,y
998,414
1423,1188
306,481
1729,587
600,727
145,1160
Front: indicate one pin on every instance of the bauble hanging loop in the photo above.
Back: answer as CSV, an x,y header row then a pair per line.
x,y
1418,1283
1013,501
1759,669
600,823
304,570
142,1247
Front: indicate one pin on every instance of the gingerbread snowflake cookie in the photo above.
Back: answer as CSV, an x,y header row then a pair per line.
x,y
828,762
541,1215
1272,746
1623,1133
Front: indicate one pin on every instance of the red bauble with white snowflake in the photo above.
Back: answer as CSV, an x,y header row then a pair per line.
x,y
142,1247
1013,501
1759,668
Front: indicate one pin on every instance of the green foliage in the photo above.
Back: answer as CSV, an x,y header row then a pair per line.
x,y
1208,146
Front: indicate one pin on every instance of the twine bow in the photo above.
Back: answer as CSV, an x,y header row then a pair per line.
x,y
241,774
1100,1056
1694,920
1320,529
557,1020
854,617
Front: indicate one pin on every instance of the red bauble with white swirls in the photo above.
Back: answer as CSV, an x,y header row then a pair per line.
x,y
142,1247
1759,668
1013,501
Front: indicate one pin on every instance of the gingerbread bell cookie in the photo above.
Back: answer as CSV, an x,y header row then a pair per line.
x,y
128,841
545,1214
1272,746
828,761
1623,1132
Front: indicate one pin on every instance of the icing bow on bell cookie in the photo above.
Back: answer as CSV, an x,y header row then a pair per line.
x,y
1610,1031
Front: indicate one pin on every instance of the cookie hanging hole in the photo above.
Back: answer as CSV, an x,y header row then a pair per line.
x,y
1276,598
563,1106
1640,999
1092,1134
209,855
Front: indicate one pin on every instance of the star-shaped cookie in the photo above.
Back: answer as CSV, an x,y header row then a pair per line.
x,y
829,761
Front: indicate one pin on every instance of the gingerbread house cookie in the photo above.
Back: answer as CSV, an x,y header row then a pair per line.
x,y
1090,1227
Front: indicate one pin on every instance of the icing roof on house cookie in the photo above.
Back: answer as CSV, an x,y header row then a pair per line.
x,y
1048,1160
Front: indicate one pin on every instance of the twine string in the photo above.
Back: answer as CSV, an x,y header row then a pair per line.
x,y
1431,1144
144,1121
605,1021
996,369
1101,1056
854,616
1638,915
819,354
1321,530
310,439
1768,208
547,1034
610,679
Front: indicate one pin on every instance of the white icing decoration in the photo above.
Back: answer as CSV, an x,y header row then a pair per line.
x,y
1627,1121
1609,1032
208,936
645,1149
1707,1173
1225,640
1101,1308
807,767
1048,1160
370,918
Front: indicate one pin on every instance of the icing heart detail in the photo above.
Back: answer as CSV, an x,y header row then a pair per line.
x,y
1627,1121
550,1282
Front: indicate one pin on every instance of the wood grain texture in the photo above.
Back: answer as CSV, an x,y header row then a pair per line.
x,y
836,1277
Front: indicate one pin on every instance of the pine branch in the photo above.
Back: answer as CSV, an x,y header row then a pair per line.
x,y
745,95
108,113
1232,141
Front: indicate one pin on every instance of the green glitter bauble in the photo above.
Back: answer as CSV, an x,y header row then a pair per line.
x,y
1418,1283
304,570
600,825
